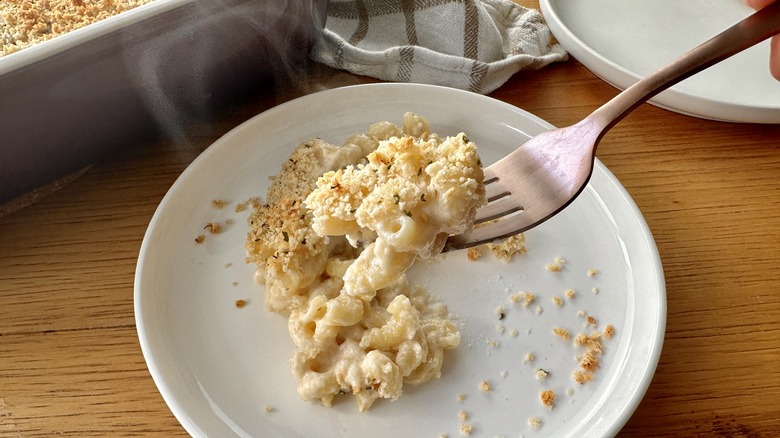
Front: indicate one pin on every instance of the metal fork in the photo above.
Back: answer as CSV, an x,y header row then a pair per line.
x,y
545,174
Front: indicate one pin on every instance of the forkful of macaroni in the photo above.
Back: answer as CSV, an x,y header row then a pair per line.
x,y
544,175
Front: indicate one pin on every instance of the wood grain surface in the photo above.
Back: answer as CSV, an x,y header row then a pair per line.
x,y
70,361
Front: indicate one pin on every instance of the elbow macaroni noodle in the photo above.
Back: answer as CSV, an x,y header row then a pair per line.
x,y
342,226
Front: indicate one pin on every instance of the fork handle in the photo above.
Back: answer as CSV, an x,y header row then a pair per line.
x,y
747,33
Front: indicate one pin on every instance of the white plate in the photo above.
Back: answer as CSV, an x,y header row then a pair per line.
x,y
624,40
218,366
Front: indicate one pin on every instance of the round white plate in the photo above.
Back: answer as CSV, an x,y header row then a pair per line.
x,y
218,366
622,41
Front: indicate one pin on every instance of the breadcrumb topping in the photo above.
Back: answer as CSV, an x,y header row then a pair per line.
x,y
24,23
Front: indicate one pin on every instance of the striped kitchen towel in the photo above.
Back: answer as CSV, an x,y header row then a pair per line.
x,y
474,45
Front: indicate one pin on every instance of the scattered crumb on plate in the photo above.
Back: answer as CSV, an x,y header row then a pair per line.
x,y
561,333
609,331
213,227
556,266
547,397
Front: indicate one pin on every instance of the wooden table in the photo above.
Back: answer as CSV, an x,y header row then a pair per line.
x,y
70,361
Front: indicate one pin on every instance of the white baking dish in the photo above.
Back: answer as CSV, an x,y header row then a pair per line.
x,y
67,101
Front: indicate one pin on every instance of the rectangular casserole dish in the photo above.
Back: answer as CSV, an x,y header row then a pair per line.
x,y
67,101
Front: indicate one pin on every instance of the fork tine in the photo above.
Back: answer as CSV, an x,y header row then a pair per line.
x,y
505,227
495,190
497,208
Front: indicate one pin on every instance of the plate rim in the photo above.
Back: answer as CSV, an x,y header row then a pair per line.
x,y
192,426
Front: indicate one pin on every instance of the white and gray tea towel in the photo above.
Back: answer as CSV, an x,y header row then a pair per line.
x,y
474,45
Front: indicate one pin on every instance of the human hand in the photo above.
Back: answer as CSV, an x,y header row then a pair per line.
x,y
774,51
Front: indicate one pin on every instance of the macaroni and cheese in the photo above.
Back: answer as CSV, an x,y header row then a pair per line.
x,y
341,227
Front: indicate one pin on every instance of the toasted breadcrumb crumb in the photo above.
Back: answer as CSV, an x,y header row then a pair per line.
x,y
547,397
269,408
570,294
529,357
609,331
200,238
581,377
493,343
240,303
526,298
561,333
463,415
595,290
581,313
474,253
484,386
538,310
218,203
213,227
514,333
507,249
557,301
590,320
535,422
589,361
569,392
541,374
465,429
591,272
556,266
461,397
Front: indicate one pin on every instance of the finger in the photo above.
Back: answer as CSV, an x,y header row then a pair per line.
x,y
758,4
774,57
